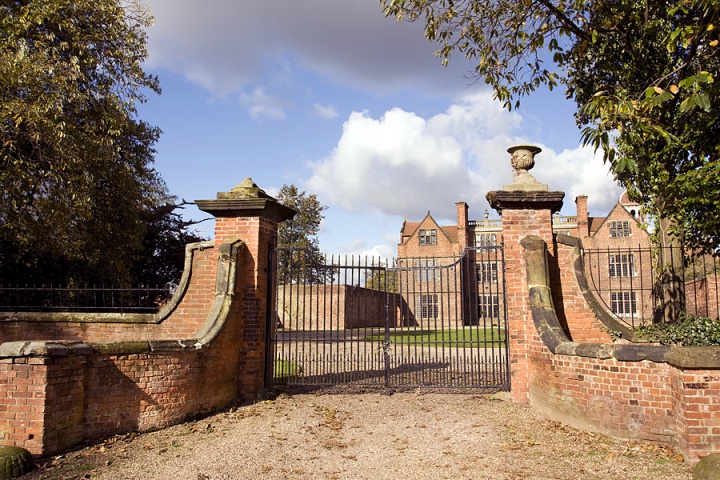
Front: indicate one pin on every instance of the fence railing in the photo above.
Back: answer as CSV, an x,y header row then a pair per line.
x,y
644,285
55,298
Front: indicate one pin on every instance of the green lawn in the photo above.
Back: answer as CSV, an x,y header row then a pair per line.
x,y
283,370
465,337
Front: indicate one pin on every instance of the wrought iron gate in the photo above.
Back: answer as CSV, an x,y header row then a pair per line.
x,y
410,322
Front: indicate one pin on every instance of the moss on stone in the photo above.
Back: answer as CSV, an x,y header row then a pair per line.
x,y
708,468
121,348
14,462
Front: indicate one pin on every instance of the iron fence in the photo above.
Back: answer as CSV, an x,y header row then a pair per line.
x,y
642,285
57,298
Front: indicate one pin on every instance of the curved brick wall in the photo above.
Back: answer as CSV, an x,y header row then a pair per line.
x,y
127,376
180,318
627,390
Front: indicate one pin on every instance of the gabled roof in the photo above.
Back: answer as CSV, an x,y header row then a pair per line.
x,y
596,223
451,232
410,228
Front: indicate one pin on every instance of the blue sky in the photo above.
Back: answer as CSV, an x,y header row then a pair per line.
x,y
335,98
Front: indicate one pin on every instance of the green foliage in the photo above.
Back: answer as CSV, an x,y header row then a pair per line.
x,y
302,230
641,73
689,331
305,263
77,185
383,279
163,247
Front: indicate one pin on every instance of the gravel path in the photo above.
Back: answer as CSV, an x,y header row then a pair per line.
x,y
369,436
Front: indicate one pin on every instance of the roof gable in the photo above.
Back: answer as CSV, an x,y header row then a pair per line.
x,y
411,229
618,212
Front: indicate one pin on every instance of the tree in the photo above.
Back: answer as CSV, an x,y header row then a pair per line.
x,y
166,235
76,174
641,72
301,261
383,278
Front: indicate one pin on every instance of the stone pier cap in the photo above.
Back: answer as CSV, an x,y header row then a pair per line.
x,y
246,199
519,200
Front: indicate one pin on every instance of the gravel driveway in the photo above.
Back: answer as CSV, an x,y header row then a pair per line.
x,y
330,435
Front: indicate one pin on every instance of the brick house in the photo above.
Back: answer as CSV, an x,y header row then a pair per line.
x,y
427,244
618,258
438,261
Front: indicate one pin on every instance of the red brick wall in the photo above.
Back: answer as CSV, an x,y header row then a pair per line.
x,y
591,387
581,324
523,340
637,399
208,353
625,399
145,391
22,402
696,399
258,233
701,296
54,402
64,391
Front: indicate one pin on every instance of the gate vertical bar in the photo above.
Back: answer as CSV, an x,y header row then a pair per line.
x,y
386,342
270,312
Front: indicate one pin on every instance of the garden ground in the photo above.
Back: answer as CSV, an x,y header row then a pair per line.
x,y
371,435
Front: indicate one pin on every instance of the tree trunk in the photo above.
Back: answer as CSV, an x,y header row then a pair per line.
x,y
670,285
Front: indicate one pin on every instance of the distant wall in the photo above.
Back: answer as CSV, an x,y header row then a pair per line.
x,y
334,307
701,296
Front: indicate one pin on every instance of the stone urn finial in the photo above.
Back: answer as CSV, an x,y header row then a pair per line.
x,y
522,159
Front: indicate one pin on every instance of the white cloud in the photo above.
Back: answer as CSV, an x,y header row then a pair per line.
x,y
261,105
403,164
578,172
394,164
325,111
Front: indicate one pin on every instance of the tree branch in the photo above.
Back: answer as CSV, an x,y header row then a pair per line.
x,y
564,19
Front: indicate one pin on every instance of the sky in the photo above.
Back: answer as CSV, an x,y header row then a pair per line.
x,y
331,96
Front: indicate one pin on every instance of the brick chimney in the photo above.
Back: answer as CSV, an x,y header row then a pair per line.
x,y
583,228
462,224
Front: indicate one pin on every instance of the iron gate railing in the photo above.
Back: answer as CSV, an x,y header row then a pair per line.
x,y
410,322
86,298
643,285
